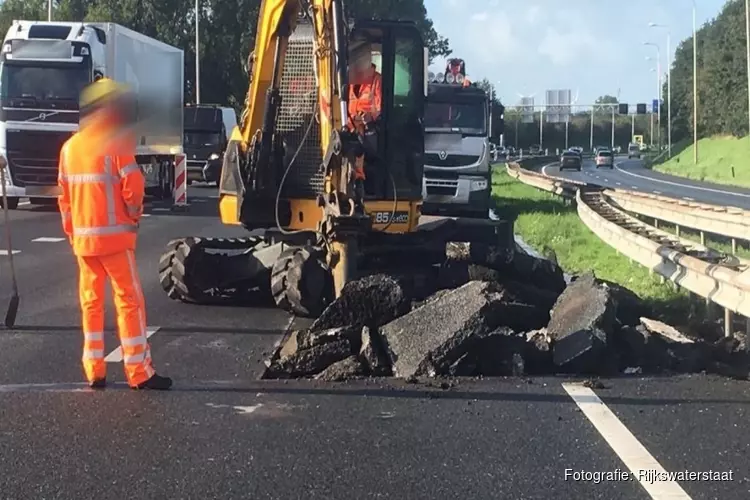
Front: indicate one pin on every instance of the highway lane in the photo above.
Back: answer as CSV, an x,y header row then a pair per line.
x,y
222,433
630,174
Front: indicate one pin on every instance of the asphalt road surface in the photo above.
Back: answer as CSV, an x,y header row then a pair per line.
x,y
630,174
222,433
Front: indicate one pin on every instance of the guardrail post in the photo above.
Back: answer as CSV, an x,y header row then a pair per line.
x,y
734,245
709,310
677,230
656,223
703,238
727,323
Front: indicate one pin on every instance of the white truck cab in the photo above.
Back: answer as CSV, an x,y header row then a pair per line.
x,y
43,68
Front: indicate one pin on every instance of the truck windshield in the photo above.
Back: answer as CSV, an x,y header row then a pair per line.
x,y
199,138
470,118
24,85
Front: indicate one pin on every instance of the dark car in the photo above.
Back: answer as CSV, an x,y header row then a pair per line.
x,y
570,159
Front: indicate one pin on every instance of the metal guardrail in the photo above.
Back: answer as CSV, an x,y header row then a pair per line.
x,y
721,279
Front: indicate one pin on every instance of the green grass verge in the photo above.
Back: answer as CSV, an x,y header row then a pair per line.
x,y
723,160
545,221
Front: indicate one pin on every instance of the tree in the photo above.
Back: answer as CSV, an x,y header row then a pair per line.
x,y
606,99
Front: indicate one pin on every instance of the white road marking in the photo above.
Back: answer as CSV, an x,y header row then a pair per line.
x,y
688,186
146,215
160,210
241,410
634,187
687,199
116,355
46,239
619,184
633,454
5,252
656,192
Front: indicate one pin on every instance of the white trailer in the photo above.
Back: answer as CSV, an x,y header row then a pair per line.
x,y
45,65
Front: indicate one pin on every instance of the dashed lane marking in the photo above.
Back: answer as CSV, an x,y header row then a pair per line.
x,y
688,199
618,183
116,355
656,192
633,454
47,239
5,252
634,187
160,209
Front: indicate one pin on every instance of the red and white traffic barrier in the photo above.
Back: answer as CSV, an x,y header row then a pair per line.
x,y
180,182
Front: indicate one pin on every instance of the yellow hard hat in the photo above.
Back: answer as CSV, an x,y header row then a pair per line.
x,y
101,90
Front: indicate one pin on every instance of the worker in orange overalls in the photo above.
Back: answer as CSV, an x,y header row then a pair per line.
x,y
101,202
365,103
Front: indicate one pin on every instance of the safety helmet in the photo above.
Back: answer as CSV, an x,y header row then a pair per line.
x,y
106,93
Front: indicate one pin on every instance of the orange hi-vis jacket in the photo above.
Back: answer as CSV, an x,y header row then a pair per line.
x,y
102,192
370,98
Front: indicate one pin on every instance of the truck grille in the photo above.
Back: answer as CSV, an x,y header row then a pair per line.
x,y
33,156
441,187
434,160
298,98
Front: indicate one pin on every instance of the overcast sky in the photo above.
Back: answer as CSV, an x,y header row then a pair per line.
x,y
593,47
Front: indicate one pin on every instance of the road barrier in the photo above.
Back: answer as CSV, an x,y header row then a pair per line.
x,y
180,202
719,278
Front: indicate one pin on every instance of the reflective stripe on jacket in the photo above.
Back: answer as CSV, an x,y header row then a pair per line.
x,y
101,198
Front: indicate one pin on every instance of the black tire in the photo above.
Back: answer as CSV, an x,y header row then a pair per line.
x,y
12,202
166,278
301,282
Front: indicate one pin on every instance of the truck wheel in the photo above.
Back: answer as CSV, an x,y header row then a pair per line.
x,y
12,203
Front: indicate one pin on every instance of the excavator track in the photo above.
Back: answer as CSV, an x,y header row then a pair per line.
x,y
190,270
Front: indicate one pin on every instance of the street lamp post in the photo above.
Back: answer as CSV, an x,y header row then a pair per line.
x,y
695,86
658,86
49,10
669,85
197,54
653,70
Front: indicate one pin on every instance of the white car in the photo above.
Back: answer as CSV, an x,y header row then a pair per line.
x,y
634,150
605,158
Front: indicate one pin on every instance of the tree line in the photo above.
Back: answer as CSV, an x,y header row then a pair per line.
x,y
721,78
227,31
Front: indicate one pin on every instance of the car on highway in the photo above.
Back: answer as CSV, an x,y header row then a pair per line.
x,y
600,148
605,158
571,159
634,150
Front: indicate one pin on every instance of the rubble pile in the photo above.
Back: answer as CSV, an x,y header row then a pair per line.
x,y
490,313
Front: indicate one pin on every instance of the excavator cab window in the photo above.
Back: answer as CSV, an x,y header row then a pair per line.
x,y
398,55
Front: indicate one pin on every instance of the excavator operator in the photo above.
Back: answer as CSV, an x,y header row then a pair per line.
x,y
365,106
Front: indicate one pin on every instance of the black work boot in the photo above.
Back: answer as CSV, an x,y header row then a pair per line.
x,y
156,383
98,383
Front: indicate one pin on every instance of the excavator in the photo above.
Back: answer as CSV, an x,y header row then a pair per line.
x,y
288,172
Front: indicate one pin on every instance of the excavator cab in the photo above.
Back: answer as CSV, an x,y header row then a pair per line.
x,y
394,147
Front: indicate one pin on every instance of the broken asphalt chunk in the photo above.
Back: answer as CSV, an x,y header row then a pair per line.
x,y
581,324
370,301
